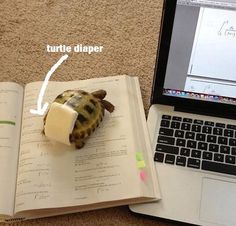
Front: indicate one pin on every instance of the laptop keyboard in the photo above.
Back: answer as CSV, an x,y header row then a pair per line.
x,y
198,144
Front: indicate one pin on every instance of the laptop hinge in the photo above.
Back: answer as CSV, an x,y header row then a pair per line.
x,y
222,114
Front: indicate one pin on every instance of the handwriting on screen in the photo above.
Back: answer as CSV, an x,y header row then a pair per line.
x,y
227,29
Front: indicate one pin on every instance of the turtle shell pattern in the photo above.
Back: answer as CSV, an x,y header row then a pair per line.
x,y
90,113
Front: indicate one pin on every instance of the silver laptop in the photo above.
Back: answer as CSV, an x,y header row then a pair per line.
x,y
192,118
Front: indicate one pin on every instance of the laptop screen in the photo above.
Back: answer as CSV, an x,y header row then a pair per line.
x,y
202,57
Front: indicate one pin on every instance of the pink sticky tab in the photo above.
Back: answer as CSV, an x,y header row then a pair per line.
x,y
143,175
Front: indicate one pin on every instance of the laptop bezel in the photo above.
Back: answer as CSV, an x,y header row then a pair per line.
x,y
157,97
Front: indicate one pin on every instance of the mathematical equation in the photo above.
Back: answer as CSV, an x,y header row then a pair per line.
x,y
226,29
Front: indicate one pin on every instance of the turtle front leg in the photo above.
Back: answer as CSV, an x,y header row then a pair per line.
x,y
79,144
108,106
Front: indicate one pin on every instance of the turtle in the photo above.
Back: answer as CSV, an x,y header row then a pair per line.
x,y
90,108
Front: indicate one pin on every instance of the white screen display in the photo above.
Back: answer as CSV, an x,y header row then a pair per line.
x,y
212,66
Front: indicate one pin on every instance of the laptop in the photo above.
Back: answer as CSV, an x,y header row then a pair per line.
x,y
192,117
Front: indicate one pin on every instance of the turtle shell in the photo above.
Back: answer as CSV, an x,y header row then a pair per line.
x,y
90,113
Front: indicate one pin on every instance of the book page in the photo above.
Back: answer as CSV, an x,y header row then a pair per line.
x,y
149,180
52,175
11,99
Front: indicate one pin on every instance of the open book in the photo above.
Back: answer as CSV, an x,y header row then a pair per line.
x,y
41,178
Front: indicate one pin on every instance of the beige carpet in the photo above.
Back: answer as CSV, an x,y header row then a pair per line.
x,y
128,30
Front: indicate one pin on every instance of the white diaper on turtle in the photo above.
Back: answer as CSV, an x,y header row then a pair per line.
x,y
60,122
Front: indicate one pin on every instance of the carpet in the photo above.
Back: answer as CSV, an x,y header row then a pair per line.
x,y
128,32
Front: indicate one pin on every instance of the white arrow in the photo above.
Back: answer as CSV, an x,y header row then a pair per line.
x,y
41,109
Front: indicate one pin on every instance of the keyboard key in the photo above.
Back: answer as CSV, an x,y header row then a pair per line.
x,y
219,167
167,149
196,154
221,125
214,147
185,126
232,142
207,155
229,126
211,138
168,117
165,123
193,163
191,144
202,145
207,129
228,133
170,159
208,123
179,133
177,118
200,137
158,157
189,120
166,131
197,121
218,157
175,125
190,135
180,142
166,140
185,152
233,151
224,149
222,140
230,159
217,131
196,128
180,161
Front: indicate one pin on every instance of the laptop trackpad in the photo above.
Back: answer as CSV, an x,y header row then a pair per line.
x,y
218,202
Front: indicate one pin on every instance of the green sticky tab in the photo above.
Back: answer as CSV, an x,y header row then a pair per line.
x,y
139,156
141,164
7,122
